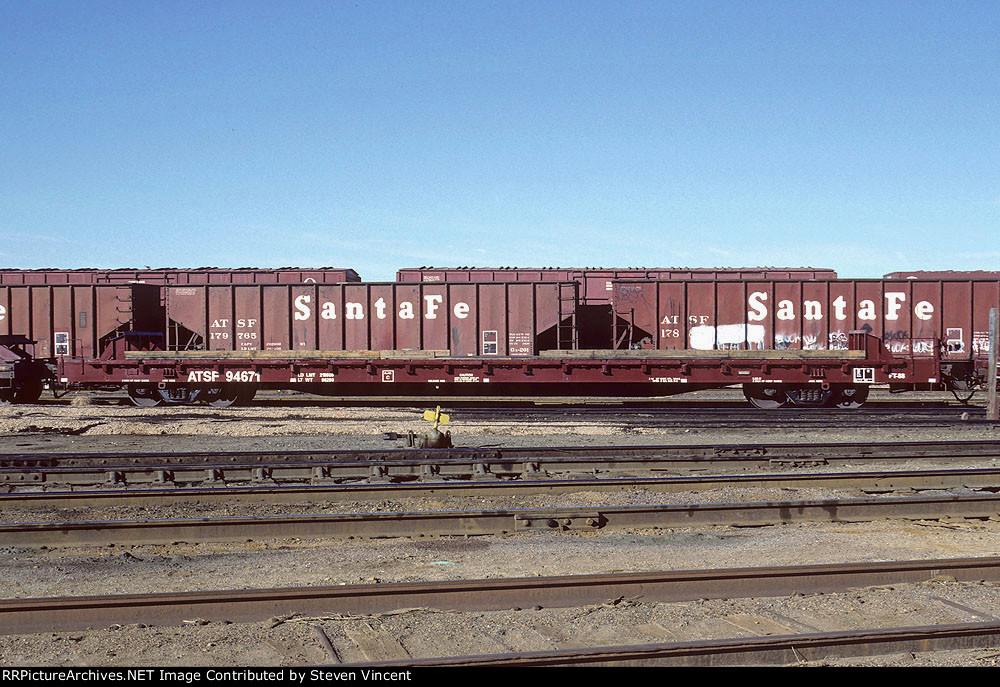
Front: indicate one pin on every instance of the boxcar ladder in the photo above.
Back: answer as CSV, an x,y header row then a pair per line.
x,y
567,335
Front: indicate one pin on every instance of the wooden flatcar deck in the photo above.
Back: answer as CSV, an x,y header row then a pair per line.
x,y
596,354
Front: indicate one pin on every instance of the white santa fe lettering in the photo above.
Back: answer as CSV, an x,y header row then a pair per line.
x,y
432,306
839,306
867,310
811,310
786,311
894,302
302,309
356,311
758,311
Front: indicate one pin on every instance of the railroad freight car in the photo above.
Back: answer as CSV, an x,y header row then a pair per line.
x,y
78,320
944,274
595,282
936,329
802,341
220,341
40,324
185,275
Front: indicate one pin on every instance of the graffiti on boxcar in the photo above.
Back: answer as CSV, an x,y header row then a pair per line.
x,y
980,342
896,341
837,341
785,341
629,293
727,337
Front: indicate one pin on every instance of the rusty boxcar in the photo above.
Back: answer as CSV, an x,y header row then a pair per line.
x,y
182,275
218,341
39,324
462,319
78,319
595,282
944,274
943,321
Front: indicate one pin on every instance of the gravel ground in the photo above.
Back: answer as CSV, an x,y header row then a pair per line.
x,y
418,633
188,567
624,497
425,632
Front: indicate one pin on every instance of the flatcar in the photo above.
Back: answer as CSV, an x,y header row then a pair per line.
x,y
802,341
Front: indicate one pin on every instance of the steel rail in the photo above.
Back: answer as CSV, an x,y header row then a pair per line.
x,y
397,473
775,650
341,473
743,415
19,616
986,479
676,417
692,452
496,522
408,464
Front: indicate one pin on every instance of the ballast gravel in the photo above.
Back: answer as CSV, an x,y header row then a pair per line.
x,y
416,633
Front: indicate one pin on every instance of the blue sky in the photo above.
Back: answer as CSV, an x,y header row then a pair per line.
x,y
862,136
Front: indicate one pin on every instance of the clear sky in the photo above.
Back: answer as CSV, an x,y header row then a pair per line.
x,y
862,136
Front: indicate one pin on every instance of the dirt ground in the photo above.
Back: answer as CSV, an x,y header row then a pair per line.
x,y
421,632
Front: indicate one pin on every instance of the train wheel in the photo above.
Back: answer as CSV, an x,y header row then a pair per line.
x,y
144,396
765,397
230,395
30,392
7,395
245,394
811,396
222,397
850,397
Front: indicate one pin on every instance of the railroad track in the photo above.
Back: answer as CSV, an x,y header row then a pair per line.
x,y
777,650
985,479
665,415
20,616
729,415
727,399
497,522
403,465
